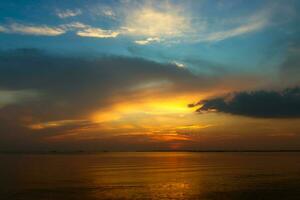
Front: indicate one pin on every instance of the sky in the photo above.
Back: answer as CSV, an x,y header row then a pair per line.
x,y
133,75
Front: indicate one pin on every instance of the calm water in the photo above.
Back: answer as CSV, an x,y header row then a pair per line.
x,y
150,176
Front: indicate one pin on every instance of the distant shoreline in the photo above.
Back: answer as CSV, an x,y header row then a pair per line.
x,y
154,151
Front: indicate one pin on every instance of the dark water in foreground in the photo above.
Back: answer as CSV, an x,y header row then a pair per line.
x,y
150,176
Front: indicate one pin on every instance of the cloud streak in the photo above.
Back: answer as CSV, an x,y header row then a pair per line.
x,y
82,30
241,30
43,30
97,33
148,41
68,13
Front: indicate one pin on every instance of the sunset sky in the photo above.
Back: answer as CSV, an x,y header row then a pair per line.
x,y
149,75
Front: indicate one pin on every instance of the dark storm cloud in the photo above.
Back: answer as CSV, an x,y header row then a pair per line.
x,y
69,86
268,104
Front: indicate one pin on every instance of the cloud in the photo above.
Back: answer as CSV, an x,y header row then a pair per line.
x,y
105,11
57,124
261,104
3,29
148,22
241,30
178,64
127,96
33,30
14,96
71,90
148,41
109,12
239,26
82,30
62,79
74,26
68,13
84,97
155,23
97,32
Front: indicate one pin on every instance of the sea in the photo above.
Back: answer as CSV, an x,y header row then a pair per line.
x,y
150,175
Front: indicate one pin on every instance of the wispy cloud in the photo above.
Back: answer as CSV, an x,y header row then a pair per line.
x,y
68,13
154,23
101,10
105,11
148,41
97,32
248,25
84,30
74,26
43,30
240,30
108,12
14,96
178,64
81,29
55,124
3,29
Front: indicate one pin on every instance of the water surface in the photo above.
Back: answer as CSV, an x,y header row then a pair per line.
x,y
154,176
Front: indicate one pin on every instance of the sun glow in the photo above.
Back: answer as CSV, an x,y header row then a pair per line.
x,y
161,119
164,117
147,107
